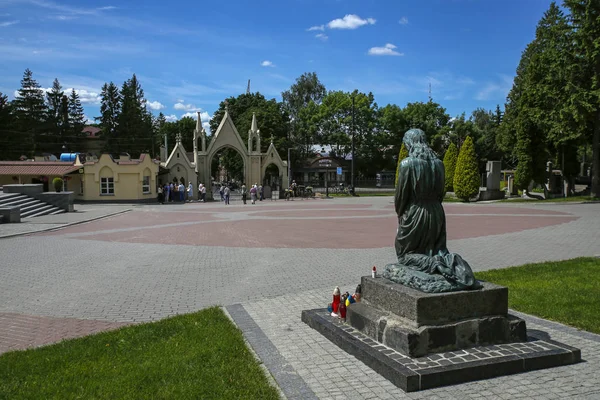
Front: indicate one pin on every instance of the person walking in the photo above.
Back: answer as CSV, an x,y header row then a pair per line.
x,y
222,192
167,193
181,192
226,193
261,195
244,193
203,194
161,195
253,194
190,192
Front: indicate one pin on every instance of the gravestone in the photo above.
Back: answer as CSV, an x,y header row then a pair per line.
x,y
426,321
493,175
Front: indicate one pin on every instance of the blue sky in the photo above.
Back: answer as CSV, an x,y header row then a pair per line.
x,y
190,55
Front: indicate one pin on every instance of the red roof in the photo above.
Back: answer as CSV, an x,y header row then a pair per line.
x,y
91,131
50,168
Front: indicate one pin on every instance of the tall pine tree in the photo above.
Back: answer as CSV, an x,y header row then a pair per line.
x,y
76,114
54,98
134,121
9,138
584,82
31,111
110,109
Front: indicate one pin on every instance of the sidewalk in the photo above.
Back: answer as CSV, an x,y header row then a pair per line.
x,y
83,213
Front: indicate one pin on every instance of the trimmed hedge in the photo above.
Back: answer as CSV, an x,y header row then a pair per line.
x,y
450,159
466,174
58,184
401,156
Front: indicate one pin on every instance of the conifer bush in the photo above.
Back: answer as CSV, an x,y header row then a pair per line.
x,y
401,156
58,184
450,159
466,174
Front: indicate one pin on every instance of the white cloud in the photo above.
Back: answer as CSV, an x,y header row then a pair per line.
x,y
495,89
316,28
8,23
62,17
387,50
186,107
267,63
322,36
85,96
180,101
204,116
350,21
403,21
106,8
171,118
155,105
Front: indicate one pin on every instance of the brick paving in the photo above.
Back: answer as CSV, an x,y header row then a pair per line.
x,y
158,261
18,332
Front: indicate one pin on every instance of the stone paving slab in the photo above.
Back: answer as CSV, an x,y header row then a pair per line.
x,y
83,214
19,332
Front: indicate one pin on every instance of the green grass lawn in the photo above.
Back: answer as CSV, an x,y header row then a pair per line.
x,y
555,200
565,291
194,356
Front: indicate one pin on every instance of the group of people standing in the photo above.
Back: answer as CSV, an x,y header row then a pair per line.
x,y
177,192
255,192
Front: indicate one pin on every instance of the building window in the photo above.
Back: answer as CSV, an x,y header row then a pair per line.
x,y
146,184
107,186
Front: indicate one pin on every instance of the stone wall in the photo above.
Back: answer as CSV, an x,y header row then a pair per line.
x,y
63,200
31,189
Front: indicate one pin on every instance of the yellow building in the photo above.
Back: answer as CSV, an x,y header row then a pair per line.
x,y
107,179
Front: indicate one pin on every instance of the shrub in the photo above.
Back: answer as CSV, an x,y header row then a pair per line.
x,y
58,184
450,159
401,156
466,174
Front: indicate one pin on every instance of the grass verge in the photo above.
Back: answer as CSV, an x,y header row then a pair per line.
x,y
199,355
554,200
564,291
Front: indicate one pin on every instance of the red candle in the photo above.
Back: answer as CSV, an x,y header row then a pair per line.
x,y
336,300
343,309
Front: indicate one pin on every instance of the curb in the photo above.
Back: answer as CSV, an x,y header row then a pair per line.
x,y
64,226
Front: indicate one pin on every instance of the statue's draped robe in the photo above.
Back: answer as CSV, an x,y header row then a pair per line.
x,y
421,237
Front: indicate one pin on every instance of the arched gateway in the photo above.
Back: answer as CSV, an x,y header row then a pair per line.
x,y
227,136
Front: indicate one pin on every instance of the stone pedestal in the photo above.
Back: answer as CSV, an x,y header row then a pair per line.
x,y
420,340
417,323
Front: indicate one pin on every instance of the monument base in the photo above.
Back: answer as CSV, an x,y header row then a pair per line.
x,y
416,323
393,332
412,374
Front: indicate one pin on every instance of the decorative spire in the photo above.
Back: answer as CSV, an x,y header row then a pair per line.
x,y
198,123
226,106
178,138
254,127
271,137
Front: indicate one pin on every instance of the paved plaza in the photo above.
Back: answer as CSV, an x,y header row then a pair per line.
x,y
267,262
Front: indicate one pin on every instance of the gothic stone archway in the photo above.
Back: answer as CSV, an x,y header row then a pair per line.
x,y
255,162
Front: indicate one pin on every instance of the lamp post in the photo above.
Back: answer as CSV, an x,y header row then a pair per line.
x,y
352,161
289,183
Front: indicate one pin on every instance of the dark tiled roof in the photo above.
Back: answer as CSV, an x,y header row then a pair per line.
x,y
54,168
